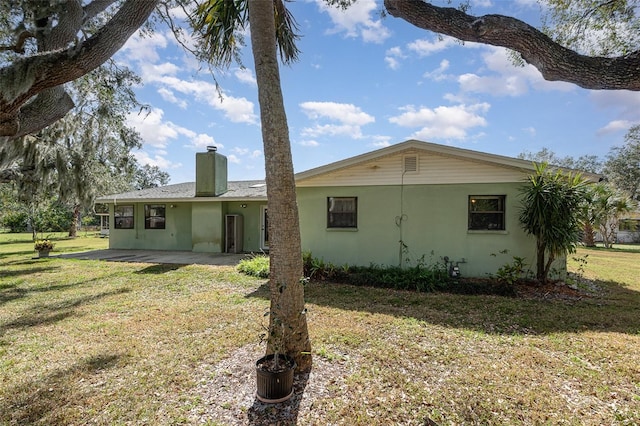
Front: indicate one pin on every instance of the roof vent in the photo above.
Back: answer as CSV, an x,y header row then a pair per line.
x,y
410,163
212,148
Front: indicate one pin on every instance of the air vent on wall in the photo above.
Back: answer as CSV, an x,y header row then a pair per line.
x,y
410,163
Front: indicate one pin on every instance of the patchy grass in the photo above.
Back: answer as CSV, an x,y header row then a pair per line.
x,y
619,266
22,243
120,343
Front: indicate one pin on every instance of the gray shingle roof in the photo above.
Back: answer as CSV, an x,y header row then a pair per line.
x,y
236,190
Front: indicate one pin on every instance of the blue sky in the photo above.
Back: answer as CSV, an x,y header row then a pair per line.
x,y
364,82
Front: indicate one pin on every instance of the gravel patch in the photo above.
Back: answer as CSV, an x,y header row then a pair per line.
x,y
228,392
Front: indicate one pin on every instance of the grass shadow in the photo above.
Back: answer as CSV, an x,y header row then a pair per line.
x,y
160,268
12,291
42,314
30,271
29,252
41,400
616,309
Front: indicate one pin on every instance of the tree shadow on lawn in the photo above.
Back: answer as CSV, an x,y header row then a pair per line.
x,y
160,268
14,291
45,314
32,254
46,399
614,309
30,271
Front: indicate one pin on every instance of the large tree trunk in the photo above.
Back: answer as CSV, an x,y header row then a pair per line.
x,y
73,229
555,62
541,250
287,321
589,238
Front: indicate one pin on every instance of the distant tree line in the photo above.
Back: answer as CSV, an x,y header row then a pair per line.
x,y
603,205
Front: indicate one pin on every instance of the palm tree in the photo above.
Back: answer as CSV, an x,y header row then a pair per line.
x,y
272,27
550,211
607,205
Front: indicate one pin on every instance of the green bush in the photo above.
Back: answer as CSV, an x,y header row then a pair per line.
x,y
424,278
15,221
56,218
421,278
510,273
255,266
91,220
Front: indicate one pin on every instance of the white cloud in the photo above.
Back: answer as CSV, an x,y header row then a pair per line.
x,y
237,110
438,74
345,113
179,13
152,129
310,143
503,78
392,57
395,51
169,96
354,132
615,126
202,140
454,99
166,68
392,62
425,47
144,48
157,160
165,75
625,102
443,121
379,140
356,21
157,133
245,152
350,119
240,151
529,3
530,130
233,159
246,76
507,86
482,3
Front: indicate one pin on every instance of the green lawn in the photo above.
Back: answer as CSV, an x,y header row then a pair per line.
x,y
91,342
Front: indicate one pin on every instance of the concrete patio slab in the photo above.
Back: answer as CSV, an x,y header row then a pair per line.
x,y
157,256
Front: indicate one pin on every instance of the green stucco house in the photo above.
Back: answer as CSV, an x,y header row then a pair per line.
x,y
393,206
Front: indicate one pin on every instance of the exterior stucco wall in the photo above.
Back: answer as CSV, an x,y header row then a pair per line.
x,y
251,218
207,233
175,236
433,218
195,227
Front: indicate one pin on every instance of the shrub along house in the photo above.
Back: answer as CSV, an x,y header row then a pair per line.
x,y
404,204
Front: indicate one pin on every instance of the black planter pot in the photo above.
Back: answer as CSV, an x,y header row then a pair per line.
x,y
274,385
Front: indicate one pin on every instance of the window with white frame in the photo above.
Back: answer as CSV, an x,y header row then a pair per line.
x,y
342,212
486,212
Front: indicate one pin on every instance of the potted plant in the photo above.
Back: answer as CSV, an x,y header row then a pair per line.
x,y
43,247
274,372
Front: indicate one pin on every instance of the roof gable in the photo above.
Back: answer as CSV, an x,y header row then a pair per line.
x,y
416,162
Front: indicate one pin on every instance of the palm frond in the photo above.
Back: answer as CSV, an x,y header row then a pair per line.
x,y
218,24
